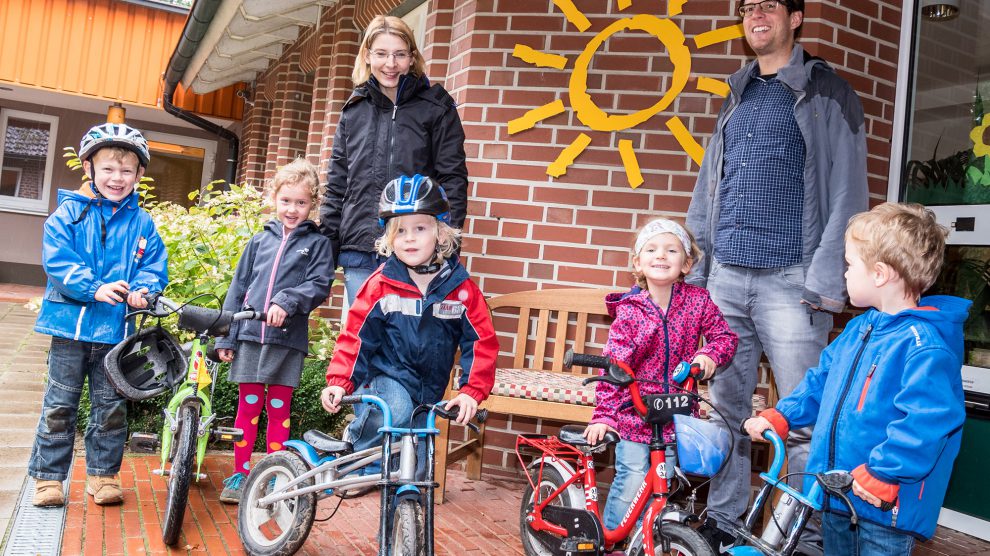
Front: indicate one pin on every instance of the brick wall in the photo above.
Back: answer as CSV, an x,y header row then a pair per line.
x,y
526,230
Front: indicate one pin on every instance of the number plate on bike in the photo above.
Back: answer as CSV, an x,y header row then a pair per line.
x,y
661,408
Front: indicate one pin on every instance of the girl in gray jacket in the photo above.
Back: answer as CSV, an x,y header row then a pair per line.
x,y
285,271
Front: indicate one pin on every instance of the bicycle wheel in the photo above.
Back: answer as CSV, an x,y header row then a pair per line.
x,y
684,541
407,530
181,472
543,543
280,528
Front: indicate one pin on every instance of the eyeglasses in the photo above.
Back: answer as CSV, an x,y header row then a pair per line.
x,y
766,6
398,56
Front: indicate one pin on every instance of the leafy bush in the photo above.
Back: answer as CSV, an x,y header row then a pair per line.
x,y
204,243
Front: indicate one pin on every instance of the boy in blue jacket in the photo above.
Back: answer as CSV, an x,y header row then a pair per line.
x,y
100,249
886,398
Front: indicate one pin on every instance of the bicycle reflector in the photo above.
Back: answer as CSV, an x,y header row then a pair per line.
x,y
145,364
702,446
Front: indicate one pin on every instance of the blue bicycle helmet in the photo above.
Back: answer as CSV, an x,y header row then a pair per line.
x,y
413,195
702,446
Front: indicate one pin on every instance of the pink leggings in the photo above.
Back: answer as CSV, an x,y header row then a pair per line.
x,y
251,402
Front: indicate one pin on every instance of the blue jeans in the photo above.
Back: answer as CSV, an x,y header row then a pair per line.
x,y
868,539
763,307
70,364
632,463
357,268
363,431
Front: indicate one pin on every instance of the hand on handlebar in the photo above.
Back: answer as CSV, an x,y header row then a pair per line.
x,y
466,408
112,293
707,365
756,426
331,397
276,315
225,355
858,490
137,298
595,432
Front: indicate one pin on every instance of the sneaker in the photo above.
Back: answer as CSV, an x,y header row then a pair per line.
x,y
105,489
232,489
719,540
48,493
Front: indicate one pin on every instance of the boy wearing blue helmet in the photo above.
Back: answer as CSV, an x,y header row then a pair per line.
x,y
410,317
100,250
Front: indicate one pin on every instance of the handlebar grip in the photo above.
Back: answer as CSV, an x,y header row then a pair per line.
x,y
887,506
481,416
585,360
350,400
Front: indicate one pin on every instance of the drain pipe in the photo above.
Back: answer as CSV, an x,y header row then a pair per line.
x,y
197,25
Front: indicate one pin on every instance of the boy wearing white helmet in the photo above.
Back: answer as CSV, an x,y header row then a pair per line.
x,y
100,250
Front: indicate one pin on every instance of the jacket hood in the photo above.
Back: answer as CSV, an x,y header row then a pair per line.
x,y
946,314
86,195
637,296
306,226
409,87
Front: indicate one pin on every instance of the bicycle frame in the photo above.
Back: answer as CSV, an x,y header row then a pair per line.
x,y
199,375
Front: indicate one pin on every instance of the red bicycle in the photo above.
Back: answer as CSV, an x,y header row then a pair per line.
x,y
560,514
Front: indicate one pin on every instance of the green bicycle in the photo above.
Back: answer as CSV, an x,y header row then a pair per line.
x,y
152,361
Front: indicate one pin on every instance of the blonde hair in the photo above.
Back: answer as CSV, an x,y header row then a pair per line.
x,y
391,25
904,236
448,239
298,172
117,154
694,256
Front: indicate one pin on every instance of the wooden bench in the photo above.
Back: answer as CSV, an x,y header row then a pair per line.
x,y
536,384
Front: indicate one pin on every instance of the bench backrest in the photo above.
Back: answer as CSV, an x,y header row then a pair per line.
x,y
564,313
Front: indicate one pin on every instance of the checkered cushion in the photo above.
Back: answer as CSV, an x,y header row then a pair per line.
x,y
542,385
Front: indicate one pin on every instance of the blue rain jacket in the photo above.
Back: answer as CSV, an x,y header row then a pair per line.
x,y
88,243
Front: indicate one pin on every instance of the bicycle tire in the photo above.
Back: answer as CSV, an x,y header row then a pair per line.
x,y
281,528
180,473
407,529
684,541
543,543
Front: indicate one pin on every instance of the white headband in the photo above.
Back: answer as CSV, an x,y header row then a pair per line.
x,y
663,226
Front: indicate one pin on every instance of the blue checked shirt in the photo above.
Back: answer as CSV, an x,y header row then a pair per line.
x,y
759,224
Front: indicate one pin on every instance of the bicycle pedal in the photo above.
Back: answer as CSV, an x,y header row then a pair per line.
x,y
228,434
579,545
144,442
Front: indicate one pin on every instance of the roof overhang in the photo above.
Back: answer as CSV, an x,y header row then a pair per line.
x,y
244,37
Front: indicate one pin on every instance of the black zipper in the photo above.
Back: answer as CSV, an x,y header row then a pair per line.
x,y
391,131
842,397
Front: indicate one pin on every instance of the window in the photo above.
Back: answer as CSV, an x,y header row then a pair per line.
x,y
179,165
27,151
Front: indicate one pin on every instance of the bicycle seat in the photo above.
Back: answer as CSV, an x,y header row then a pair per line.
x,y
325,443
574,435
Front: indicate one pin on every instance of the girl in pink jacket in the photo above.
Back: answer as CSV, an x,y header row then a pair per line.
x,y
657,324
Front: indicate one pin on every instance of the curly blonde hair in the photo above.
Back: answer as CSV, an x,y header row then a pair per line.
x,y
386,24
905,236
448,239
694,257
298,172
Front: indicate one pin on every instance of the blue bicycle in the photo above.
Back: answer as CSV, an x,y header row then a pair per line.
x,y
278,503
793,510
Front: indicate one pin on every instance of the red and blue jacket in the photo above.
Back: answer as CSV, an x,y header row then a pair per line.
x,y
887,403
396,330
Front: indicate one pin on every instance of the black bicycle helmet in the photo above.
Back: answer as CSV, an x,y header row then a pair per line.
x,y
146,364
114,135
413,195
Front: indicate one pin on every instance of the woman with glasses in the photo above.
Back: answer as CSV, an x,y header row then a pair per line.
x,y
395,123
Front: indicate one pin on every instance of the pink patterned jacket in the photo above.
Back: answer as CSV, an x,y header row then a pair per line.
x,y
652,344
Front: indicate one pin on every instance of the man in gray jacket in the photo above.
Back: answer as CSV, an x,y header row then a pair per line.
x,y
784,171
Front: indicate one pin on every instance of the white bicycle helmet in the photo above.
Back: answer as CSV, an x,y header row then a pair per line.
x,y
114,135
146,364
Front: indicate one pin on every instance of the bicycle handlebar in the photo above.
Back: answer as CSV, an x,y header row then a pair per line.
x,y
201,320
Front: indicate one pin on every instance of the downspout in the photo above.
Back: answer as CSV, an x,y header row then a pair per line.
x,y
198,23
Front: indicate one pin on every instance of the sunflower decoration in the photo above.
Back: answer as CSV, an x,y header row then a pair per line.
x,y
979,137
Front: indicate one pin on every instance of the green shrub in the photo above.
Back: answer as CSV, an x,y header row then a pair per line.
x,y
204,243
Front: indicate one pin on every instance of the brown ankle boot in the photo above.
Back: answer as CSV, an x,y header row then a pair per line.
x,y
104,489
48,493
